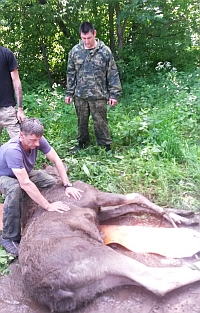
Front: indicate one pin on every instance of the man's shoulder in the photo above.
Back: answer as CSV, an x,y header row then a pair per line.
x,y
8,59
11,149
78,47
103,49
6,52
4,49
45,146
12,144
103,46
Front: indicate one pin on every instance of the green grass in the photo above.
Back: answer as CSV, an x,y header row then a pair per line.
x,y
155,131
156,135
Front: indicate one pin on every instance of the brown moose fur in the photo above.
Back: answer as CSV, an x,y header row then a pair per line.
x,y
64,262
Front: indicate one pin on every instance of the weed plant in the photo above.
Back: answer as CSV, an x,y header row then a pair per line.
x,y
5,260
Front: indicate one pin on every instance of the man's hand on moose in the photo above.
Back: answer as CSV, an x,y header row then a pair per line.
x,y
58,206
74,192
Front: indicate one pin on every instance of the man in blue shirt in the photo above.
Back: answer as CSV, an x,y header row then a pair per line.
x,y
17,160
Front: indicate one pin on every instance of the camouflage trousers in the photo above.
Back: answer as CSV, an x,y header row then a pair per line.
x,y
98,110
14,201
8,120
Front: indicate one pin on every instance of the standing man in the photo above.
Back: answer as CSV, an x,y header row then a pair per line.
x,y
17,160
10,84
93,80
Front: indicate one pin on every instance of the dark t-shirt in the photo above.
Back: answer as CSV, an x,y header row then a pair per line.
x,y
8,64
12,155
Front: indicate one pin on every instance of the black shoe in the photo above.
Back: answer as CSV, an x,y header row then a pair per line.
x,y
80,146
107,148
10,246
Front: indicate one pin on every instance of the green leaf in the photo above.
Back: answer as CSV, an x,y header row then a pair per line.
x,y
86,170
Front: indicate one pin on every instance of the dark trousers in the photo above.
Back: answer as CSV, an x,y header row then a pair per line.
x,y
13,201
98,110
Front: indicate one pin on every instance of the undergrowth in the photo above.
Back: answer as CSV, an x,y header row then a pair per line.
x,y
155,132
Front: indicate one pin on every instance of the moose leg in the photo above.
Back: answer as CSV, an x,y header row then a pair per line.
x,y
111,199
161,280
82,280
186,217
117,270
94,198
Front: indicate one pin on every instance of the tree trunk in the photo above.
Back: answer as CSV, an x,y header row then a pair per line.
x,y
111,28
46,63
120,31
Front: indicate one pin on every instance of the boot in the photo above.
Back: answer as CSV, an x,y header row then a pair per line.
x,y
108,148
81,145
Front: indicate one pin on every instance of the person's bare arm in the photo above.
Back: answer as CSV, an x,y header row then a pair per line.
x,y
31,189
18,93
55,159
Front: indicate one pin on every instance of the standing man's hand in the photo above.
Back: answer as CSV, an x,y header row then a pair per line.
x,y
68,100
112,102
20,115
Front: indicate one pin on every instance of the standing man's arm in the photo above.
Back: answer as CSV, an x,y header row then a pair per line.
x,y
71,80
18,93
69,191
113,82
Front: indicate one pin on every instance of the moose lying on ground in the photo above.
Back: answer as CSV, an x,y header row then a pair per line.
x,y
64,262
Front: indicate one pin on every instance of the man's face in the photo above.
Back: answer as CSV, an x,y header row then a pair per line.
x,y
29,141
89,40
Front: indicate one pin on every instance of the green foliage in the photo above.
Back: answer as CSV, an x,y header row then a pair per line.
x,y
140,33
161,32
5,260
155,130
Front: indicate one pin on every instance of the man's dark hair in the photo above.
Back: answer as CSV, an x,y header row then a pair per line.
x,y
86,27
32,126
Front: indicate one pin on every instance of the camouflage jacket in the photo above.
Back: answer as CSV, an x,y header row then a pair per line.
x,y
92,74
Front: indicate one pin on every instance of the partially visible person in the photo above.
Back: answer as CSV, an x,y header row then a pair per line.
x,y
10,93
93,80
17,175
